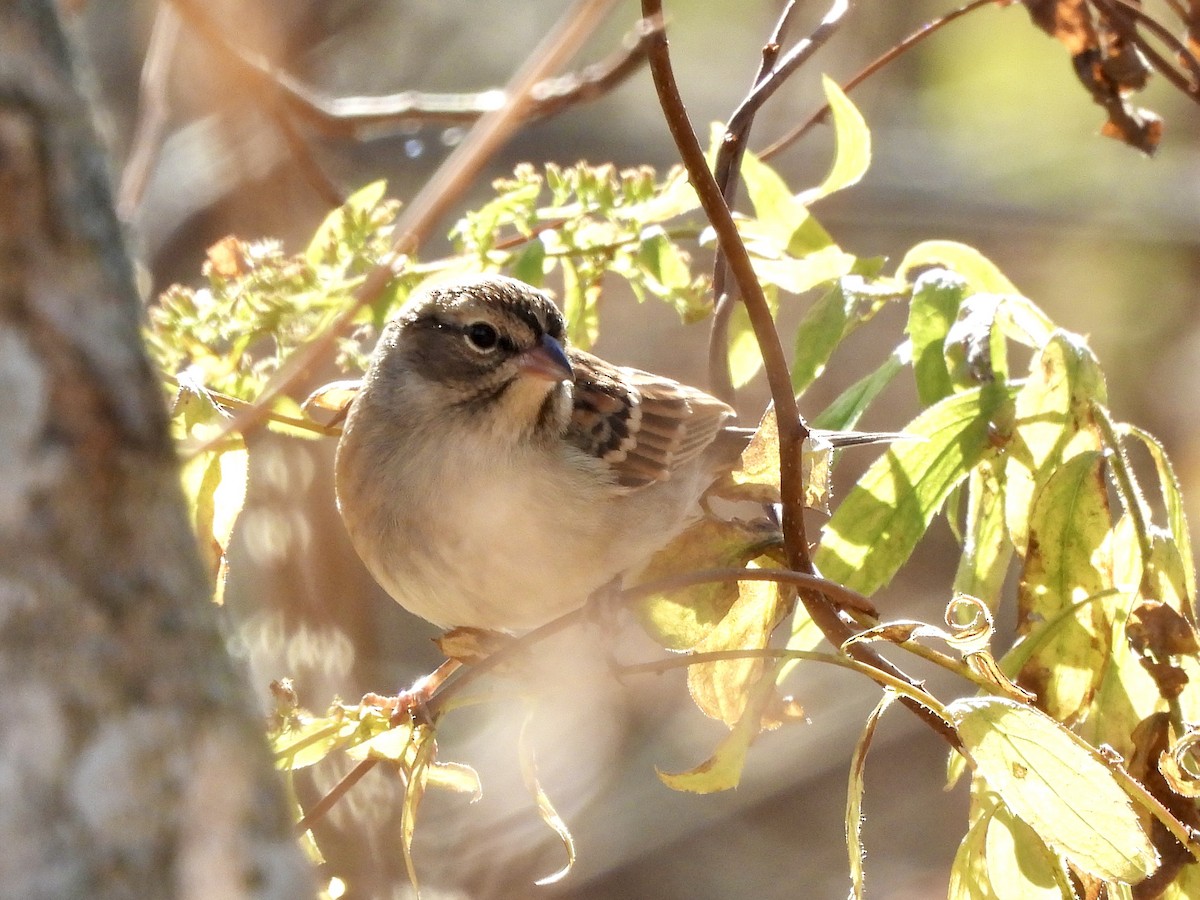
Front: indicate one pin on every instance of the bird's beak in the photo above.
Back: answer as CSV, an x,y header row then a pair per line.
x,y
547,360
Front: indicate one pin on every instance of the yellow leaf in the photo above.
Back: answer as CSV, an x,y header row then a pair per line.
x,y
1068,561
1051,780
681,619
721,689
545,808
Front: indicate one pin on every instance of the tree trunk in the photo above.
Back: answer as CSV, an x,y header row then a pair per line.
x,y
132,763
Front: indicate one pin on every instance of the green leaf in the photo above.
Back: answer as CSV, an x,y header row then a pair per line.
x,y
530,264
665,266
937,296
797,274
331,232
982,275
1054,423
1053,781
844,412
414,791
1172,496
853,154
215,485
1065,564
745,357
876,527
843,308
580,307
304,740
781,217
721,771
987,550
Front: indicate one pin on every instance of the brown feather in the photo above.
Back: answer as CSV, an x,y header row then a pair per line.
x,y
643,425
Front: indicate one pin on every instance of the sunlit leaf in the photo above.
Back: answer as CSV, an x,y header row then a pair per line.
x,y
304,740
1019,865
854,795
844,412
987,550
853,140
936,298
1173,501
1052,781
1054,423
322,248
530,264
745,357
1185,886
876,527
549,815
215,485
721,689
723,770
414,792
781,215
969,873
844,307
394,745
1065,564
975,346
756,478
981,273
681,619
458,778
662,260
580,307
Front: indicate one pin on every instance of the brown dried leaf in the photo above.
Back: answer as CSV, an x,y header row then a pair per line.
x,y
472,645
227,258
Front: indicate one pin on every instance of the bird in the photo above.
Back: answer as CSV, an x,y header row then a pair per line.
x,y
491,476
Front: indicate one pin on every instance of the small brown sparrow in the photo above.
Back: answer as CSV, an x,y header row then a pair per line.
x,y
491,476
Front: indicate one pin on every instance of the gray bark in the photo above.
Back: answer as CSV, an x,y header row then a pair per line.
x,y
132,763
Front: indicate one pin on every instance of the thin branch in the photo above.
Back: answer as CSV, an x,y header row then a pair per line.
x,y
354,115
792,430
436,197
909,693
301,152
336,793
152,110
728,166
844,596
913,39
771,75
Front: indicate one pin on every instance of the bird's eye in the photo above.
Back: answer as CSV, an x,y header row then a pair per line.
x,y
482,336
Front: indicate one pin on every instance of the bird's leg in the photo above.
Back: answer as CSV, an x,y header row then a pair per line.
x,y
412,702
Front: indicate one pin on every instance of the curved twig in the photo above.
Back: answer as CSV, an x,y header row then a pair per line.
x,y
771,75
867,71
351,116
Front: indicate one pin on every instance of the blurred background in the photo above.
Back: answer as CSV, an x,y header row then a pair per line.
x,y
981,134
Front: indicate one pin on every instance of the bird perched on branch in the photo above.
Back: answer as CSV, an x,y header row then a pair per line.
x,y
491,476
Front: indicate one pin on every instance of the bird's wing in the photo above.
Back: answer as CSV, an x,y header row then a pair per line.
x,y
642,425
